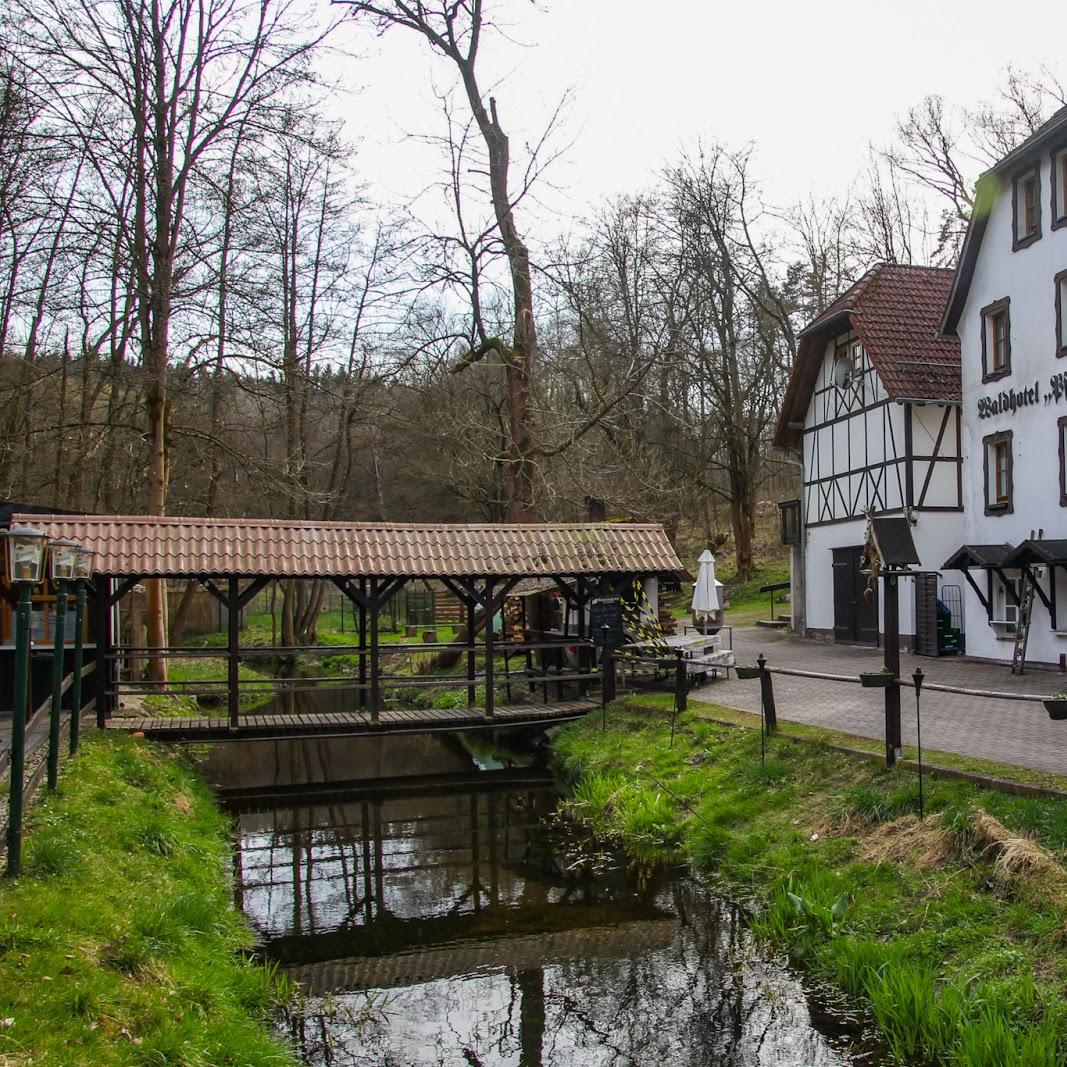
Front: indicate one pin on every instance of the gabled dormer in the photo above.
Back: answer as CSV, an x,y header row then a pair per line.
x,y
873,400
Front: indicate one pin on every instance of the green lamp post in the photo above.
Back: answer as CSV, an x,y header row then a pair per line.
x,y
25,568
83,571
64,559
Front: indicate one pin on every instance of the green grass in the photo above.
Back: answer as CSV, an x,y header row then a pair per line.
x,y
257,632
957,960
178,704
747,603
120,943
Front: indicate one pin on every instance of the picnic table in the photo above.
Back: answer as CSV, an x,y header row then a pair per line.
x,y
704,653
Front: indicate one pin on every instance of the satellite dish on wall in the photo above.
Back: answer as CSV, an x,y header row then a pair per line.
x,y
844,372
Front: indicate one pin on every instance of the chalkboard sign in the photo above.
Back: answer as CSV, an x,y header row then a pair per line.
x,y
606,611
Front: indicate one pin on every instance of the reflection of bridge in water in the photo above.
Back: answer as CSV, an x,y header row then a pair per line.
x,y
395,882
457,892
390,868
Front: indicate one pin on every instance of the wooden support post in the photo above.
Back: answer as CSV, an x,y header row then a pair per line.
x,y
79,662
233,660
18,729
489,680
56,710
583,657
370,596
472,655
679,690
679,682
375,688
892,663
361,607
766,685
607,669
102,674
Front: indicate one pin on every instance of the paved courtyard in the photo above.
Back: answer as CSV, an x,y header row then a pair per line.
x,y
1009,731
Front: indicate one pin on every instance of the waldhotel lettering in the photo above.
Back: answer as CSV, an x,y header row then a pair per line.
x,y
1010,400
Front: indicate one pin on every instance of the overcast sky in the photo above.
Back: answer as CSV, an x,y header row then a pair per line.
x,y
811,84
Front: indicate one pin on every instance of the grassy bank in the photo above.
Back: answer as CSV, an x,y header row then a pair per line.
x,y
746,602
120,943
952,930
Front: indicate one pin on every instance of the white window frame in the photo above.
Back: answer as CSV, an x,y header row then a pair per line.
x,y
1005,621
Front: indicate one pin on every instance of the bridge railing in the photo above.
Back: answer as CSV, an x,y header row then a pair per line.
x,y
560,664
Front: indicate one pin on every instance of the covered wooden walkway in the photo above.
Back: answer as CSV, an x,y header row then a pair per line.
x,y
481,564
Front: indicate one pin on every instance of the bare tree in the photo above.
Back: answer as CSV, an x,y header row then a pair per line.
x,y
940,147
454,30
738,329
172,79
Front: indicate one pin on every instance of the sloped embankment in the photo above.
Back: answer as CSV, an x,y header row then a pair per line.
x,y
952,930
120,944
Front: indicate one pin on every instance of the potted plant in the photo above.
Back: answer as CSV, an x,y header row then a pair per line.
x,y
1056,706
882,679
746,670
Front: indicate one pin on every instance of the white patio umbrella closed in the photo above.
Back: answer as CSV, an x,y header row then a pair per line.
x,y
705,588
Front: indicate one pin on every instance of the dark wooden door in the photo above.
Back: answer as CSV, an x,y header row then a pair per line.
x,y
866,610
926,615
855,618
844,609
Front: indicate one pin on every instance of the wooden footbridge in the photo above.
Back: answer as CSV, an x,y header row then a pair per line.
x,y
481,565
354,723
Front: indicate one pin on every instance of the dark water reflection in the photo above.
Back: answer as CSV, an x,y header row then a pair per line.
x,y
484,930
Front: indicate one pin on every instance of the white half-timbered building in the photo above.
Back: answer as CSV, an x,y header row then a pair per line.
x,y
873,406
1008,308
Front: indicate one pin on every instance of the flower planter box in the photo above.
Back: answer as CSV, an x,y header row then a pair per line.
x,y
876,680
1057,709
747,672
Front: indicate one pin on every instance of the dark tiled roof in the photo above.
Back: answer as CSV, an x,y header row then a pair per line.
x,y
148,546
896,311
967,556
1034,551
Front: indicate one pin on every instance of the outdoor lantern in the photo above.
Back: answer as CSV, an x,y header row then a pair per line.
x,y
25,553
83,562
64,559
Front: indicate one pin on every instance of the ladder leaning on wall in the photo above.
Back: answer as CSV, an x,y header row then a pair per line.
x,y
1022,627
1026,610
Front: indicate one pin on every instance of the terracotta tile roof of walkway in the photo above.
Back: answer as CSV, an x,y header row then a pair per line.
x,y
149,546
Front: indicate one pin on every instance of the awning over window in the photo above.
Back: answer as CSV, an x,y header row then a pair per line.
x,y
1036,553
968,557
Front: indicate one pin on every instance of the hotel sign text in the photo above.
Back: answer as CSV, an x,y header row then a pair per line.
x,y
1009,401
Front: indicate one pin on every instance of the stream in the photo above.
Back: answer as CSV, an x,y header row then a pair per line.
x,y
437,910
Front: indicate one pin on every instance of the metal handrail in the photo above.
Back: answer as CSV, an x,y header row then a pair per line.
x,y
909,684
385,647
214,686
